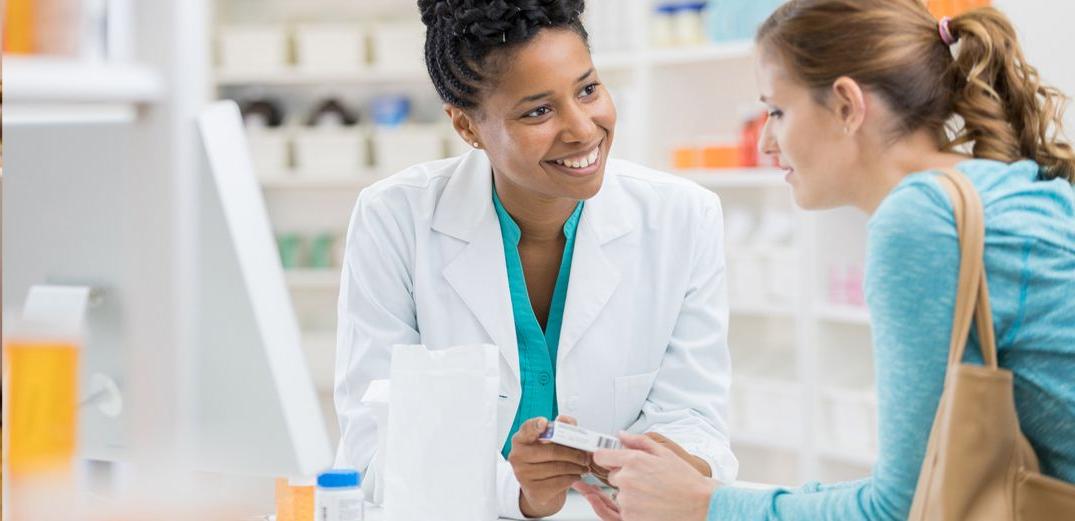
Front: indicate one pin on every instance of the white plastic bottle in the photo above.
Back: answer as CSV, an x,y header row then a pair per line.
x,y
339,497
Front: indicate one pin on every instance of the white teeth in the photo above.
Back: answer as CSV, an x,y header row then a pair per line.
x,y
581,162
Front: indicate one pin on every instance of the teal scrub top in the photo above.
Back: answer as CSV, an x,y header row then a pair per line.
x,y
537,348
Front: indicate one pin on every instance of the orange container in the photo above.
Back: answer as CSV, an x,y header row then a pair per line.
x,y
721,156
19,27
294,500
685,158
41,379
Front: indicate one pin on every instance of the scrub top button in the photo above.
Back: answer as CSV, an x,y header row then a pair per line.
x,y
573,403
544,378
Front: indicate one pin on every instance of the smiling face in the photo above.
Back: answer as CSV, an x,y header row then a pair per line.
x,y
547,122
808,139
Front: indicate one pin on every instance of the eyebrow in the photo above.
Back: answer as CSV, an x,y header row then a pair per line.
x,y
535,97
764,99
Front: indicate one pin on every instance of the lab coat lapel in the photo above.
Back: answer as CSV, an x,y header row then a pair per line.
x,y
594,277
478,273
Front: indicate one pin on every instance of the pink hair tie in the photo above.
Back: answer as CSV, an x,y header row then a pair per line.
x,y
946,32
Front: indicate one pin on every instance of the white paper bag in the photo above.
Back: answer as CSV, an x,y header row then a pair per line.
x,y
442,446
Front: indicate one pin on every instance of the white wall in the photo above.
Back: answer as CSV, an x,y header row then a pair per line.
x,y
1046,31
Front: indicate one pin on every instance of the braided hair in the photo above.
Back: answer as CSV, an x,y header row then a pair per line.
x,y
463,35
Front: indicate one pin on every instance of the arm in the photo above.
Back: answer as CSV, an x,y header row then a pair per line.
x,y
689,399
376,311
911,280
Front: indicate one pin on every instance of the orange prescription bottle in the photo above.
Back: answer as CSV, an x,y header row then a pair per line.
x,y
19,27
40,413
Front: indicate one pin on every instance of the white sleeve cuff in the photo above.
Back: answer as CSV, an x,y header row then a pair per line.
x,y
507,488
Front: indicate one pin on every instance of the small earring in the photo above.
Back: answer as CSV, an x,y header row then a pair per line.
x,y
476,145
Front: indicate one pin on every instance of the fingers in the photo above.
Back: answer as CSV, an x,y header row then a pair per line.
x,y
614,459
659,438
567,419
643,443
558,483
540,471
602,505
530,430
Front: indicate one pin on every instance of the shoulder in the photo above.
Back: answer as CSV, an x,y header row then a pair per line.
x,y
410,190
656,193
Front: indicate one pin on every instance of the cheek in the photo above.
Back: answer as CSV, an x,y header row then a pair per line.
x,y
604,113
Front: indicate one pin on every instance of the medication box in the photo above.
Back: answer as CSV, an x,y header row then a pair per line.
x,y
578,438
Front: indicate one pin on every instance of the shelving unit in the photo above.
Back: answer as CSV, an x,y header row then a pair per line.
x,y
665,97
40,90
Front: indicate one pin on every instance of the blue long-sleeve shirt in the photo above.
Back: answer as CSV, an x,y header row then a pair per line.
x,y
911,275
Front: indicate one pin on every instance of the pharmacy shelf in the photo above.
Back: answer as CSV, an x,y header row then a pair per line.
x,y
701,54
350,184
298,77
313,279
844,314
760,440
54,90
762,311
320,350
736,177
613,60
857,458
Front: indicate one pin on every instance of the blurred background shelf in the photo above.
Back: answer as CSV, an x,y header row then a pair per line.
x,y
351,184
312,279
41,90
736,177
375,77
855,315
701,54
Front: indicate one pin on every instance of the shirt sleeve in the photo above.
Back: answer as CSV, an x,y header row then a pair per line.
x,y
911,271
688,402
375,311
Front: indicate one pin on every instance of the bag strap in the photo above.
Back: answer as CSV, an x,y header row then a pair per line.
x,y
972,294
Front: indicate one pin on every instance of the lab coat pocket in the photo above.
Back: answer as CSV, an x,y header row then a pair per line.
x,y
507,407
630,393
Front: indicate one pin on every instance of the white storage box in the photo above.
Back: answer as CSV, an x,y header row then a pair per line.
x,y
331,152
398,46
395,149
270,151
254,49
330,48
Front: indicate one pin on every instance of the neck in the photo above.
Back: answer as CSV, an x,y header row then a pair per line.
x,y
914,153
540,218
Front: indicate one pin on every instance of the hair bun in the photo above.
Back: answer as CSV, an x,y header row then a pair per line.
x,y
497,21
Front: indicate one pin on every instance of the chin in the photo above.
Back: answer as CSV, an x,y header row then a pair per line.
x,y
591,187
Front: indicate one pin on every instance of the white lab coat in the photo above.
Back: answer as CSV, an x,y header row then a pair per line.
x,y
643,346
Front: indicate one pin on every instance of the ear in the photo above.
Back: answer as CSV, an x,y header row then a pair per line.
x,y
849,103
464,125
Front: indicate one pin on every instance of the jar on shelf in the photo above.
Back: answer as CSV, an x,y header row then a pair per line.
x,y
690,23
664,25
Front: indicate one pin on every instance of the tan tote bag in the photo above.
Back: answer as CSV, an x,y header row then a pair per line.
x,y
978,464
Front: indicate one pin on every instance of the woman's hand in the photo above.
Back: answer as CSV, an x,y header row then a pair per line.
x,y
545,471
654,484
699,464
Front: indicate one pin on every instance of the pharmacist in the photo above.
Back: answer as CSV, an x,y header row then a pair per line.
x,y
602,282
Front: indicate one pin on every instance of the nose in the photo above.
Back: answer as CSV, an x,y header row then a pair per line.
x,y
578,125
766,141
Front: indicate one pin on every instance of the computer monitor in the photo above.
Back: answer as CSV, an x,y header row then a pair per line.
x,y
257,411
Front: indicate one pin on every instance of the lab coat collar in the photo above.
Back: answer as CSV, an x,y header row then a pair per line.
x,y
467,202
465,211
